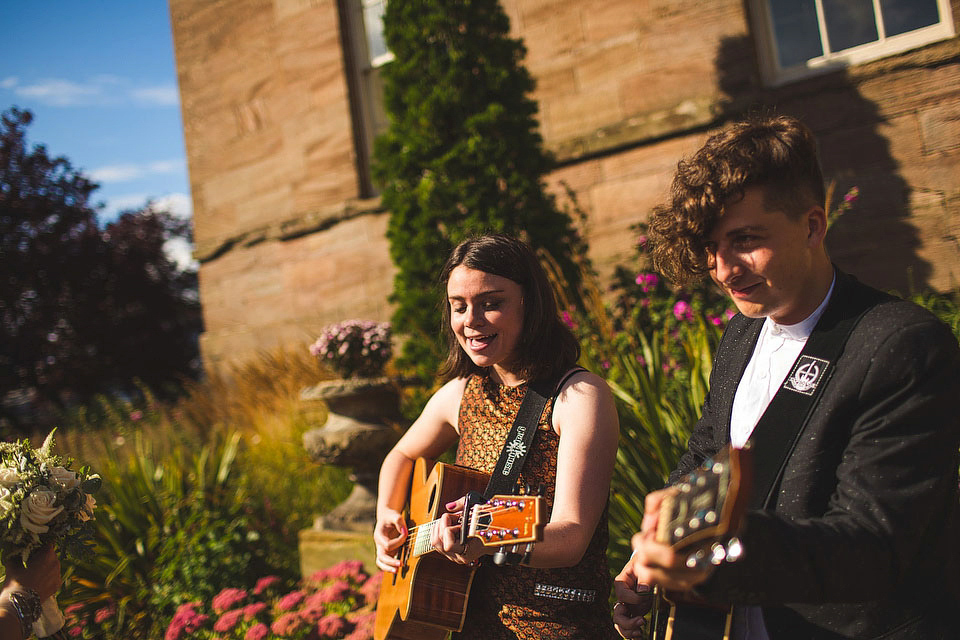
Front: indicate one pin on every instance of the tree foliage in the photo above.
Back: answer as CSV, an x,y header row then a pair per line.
x,y
462,154
83,310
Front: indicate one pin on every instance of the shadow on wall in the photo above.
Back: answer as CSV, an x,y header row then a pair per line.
x,y
875,239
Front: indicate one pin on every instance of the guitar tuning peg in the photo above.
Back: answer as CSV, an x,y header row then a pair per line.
x,y
541,489
526,488
500,557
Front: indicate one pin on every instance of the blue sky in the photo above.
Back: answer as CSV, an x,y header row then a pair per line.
x,y
100,79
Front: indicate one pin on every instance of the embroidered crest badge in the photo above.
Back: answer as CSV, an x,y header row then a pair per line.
x,y
806,375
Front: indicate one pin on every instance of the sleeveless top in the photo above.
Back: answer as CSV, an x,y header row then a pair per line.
x,y
510,602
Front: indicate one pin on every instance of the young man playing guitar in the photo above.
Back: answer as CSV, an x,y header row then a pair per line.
x,y
847,396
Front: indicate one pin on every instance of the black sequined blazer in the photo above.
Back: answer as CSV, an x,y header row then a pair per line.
x,y
861,538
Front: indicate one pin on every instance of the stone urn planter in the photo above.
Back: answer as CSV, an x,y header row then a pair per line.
x,y
362,425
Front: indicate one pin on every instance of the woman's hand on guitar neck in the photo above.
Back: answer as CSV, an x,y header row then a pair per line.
x,y
445,536
388,536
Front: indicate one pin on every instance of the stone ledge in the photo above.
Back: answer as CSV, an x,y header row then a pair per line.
x,y
288,229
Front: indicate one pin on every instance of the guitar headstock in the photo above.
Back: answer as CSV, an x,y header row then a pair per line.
x,y
507,520
709,502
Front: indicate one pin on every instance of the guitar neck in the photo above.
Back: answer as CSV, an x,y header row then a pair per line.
x,y
421,539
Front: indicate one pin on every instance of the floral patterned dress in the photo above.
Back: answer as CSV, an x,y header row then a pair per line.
x,y
510,602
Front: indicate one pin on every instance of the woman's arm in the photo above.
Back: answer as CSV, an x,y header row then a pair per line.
x,y
24,588
428,437
585,417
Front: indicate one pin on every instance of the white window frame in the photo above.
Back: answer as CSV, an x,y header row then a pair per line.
x,y
365,70
774,74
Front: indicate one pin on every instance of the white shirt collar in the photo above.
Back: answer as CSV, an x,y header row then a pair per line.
x,y
801,330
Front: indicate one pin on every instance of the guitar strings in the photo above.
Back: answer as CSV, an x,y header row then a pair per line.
x,y
412,534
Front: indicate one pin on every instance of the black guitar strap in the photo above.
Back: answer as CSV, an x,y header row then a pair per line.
x,y
519,440
779,427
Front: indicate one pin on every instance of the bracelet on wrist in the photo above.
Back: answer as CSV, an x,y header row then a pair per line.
x,y
26,604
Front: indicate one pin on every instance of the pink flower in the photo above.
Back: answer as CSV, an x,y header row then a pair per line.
x,y
75,632
371,588
568,320
729,313
290,601
265,583
332,625
287,624
682,310
136,415
228,599
186,619
336,592
228,621
715,321
642,241
251,611
105,614
258,631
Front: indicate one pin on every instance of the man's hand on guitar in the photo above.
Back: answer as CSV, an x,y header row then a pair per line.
x,y
388,536
633,602
445,536
658,563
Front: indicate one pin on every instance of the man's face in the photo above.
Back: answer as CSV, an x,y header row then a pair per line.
x,y
768,263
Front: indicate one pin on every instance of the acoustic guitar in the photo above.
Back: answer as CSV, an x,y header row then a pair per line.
x,y
427,597
701,520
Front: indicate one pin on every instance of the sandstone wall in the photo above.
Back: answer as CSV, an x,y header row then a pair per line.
x,y
625,87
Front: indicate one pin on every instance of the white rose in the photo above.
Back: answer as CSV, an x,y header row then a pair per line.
x,y
86,511
6,502
9,477
65,478
37,511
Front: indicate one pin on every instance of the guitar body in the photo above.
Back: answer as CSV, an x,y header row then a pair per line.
x,y
427,597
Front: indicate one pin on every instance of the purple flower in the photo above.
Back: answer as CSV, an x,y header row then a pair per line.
x,y
682,310
258,631
228,599
290,601
228,621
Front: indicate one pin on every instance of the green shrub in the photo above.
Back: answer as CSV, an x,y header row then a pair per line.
x,y
462,156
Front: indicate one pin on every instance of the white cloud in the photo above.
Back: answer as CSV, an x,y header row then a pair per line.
x,y
61,93
117,173
179,204
181,253
99,90
127,172
164,96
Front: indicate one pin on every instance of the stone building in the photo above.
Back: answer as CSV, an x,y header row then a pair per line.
x,y
280,103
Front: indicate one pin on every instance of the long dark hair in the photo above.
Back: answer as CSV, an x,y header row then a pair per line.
x,y
546,347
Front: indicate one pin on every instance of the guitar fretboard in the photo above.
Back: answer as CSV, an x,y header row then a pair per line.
x,y
421,542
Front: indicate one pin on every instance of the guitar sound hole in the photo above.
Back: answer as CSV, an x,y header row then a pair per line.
x,y
433,499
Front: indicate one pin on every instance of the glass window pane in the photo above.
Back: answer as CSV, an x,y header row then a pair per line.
x,y
900,16
373,24
795,31
849,23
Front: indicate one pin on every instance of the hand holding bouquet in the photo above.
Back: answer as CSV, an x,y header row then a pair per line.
x,y
43,502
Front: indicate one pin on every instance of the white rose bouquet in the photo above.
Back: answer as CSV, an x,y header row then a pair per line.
x,y
43,501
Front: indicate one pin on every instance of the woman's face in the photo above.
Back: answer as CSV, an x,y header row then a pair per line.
x,y
486,315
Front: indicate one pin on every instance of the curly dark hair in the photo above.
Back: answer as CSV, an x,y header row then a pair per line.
x,y
777,154
546,347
